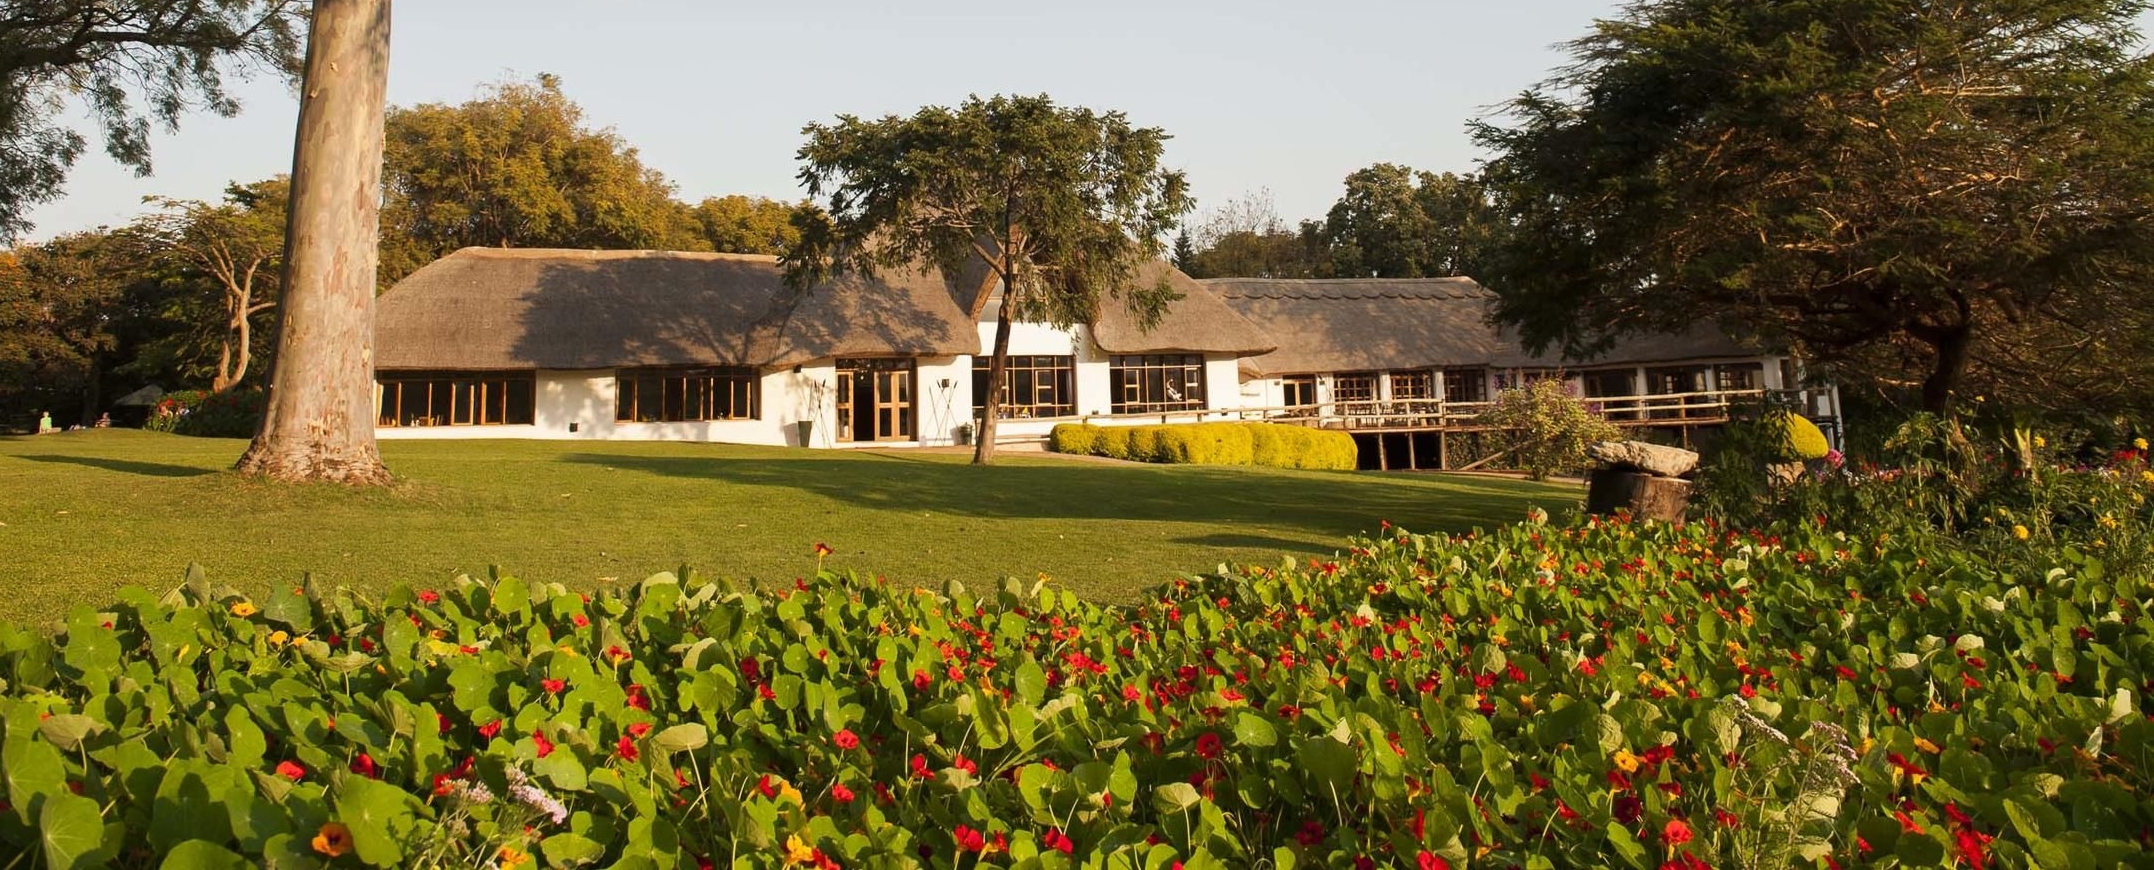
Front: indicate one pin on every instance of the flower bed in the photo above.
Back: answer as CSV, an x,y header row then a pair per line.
x,y
1542,695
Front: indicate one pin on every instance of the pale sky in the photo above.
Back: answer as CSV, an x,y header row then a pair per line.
x,y
1289,96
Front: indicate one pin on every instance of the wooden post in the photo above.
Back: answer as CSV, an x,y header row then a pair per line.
x,y
319,423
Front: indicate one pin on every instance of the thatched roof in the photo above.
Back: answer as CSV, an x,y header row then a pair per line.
x,y
1196,323
500,309
1374,324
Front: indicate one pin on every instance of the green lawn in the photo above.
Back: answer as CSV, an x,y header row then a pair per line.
x,y
82,514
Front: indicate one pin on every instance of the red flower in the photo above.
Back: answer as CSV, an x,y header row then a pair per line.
x,y
845,739
920,680
1958,815
966,764
616,654
822,549
969,840
291,770
1311,833
364,766
1208,745
580,620
1676,832
545,746
1059,841
639,729
841,794
442,721
1907,823
429,596
626,749
490,729
554,687
636,699
1972,843
1428,860
768,786
919,767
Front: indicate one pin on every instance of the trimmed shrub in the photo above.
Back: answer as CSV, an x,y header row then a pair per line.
x,y
1800,440
1267,444
1077,439
1113,443
1546,428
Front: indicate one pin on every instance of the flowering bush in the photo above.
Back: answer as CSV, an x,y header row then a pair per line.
x,y
233,413
1546,429
1604,694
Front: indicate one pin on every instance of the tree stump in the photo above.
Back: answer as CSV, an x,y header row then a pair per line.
x,y
1645,496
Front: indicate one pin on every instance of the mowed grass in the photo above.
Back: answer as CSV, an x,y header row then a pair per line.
x,y
87,513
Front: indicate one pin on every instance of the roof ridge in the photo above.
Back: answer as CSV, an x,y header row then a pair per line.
x,y
606,254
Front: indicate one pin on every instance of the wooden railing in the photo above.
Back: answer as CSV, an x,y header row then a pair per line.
x,y
1672,409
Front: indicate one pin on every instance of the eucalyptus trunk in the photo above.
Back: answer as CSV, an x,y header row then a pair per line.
x,y
319,423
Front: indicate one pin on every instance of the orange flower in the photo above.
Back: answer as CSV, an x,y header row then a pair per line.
x,y
333,840
822,550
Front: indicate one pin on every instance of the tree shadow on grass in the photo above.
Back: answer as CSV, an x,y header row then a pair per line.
x,y
1321,504
123,466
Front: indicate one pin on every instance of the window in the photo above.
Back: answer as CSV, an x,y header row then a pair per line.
x,y
1160,382
1354,387
678,395
1679,379
1465,385
1740,377
1611,383
1033,386
1412,385
456,398
1300,390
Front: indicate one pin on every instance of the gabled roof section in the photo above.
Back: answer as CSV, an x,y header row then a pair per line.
x,y
1196,323
1380,324
503,308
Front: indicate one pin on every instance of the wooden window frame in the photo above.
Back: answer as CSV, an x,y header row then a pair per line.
x,y
1141,382
1305,385
1363,391
1465,385
455,398
686,394
1058,387
1412,386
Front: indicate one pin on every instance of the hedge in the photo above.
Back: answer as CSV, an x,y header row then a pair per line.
x,y
1800,440
1266,444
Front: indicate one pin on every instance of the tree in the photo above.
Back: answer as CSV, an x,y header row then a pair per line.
x,y
239,247
519,167
319,423
57,306
1872,182
170,56
1063,205
747,225
1246,239
1395,222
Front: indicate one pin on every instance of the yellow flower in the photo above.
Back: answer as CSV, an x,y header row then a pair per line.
x,y
1867,742
279,638
2147,475
512,857
2040,441
1925,745
2140,443
1626,761
2108,521
786,792
797,851
244,610
2020,532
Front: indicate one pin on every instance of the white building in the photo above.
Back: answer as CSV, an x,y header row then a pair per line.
x,y
513,343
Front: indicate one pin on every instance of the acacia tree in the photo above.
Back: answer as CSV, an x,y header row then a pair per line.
x,y
319,422
1062,204
1245,238
1855,178
238,245
169,55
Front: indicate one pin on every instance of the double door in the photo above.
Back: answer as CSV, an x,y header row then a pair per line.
x,y
875,400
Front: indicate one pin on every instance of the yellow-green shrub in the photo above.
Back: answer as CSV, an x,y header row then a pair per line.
x,y
1113,443
1078,439
1267,444
1799,439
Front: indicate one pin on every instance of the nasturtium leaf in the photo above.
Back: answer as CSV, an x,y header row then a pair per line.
x,y
67,730
571,850
203,855
1252,729
72,831
290,607
682,738
1175,797
379,816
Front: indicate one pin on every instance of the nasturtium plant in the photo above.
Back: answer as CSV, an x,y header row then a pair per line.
x,y
1600,693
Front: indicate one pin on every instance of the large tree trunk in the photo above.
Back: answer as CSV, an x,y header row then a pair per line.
x,y
1949,347
319,424
983,452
